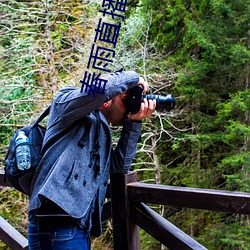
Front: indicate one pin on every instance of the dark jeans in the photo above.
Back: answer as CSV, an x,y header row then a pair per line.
x,y
57,238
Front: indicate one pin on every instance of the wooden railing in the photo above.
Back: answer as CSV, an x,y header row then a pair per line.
x,y
129,212
8,234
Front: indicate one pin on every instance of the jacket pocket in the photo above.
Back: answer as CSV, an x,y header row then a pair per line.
x,y
78,179
71,173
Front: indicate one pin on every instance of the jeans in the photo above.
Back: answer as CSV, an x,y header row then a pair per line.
x,y
57,238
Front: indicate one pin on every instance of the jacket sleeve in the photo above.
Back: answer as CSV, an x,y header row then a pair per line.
x,y
124,153
70,105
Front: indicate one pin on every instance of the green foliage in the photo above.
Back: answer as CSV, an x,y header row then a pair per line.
x,y
14,208
222,235
205,43
148,242
197,50
42,48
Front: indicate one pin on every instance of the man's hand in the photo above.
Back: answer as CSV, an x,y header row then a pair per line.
x,y
147,108
143,83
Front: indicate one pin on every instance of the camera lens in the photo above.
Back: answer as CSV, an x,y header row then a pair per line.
x,y
162,102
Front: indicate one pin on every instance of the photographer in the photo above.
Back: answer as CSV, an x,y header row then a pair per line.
x,y
70,185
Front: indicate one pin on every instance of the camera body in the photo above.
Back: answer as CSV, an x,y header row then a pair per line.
x,y
135,97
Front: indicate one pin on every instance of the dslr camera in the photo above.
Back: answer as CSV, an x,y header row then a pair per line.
x,y
135,97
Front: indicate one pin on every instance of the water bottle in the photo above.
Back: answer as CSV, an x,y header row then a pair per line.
x,y
23,156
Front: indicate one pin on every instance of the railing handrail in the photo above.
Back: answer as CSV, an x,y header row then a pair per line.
x,y
197,198
127,196
11,237
130,213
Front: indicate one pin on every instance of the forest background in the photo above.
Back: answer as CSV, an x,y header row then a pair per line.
x,y
197,50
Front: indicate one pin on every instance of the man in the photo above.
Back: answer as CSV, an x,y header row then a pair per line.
x,y
70,184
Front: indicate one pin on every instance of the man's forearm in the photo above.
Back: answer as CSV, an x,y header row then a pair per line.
x,y
125,150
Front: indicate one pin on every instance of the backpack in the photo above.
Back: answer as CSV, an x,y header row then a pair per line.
x,y
21,179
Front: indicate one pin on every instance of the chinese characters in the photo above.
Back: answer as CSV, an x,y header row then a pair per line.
x,y
100,57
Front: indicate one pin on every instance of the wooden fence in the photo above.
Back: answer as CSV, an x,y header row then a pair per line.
x,y
130,213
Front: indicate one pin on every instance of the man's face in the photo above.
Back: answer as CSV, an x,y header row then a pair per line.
x,y
117,109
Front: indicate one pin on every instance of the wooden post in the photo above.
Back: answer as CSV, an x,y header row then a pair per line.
x,y
126,233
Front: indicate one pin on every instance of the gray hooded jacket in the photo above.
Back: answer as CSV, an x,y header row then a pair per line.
x,y
67,174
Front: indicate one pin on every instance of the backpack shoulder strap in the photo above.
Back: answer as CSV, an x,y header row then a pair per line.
x,y
43,115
